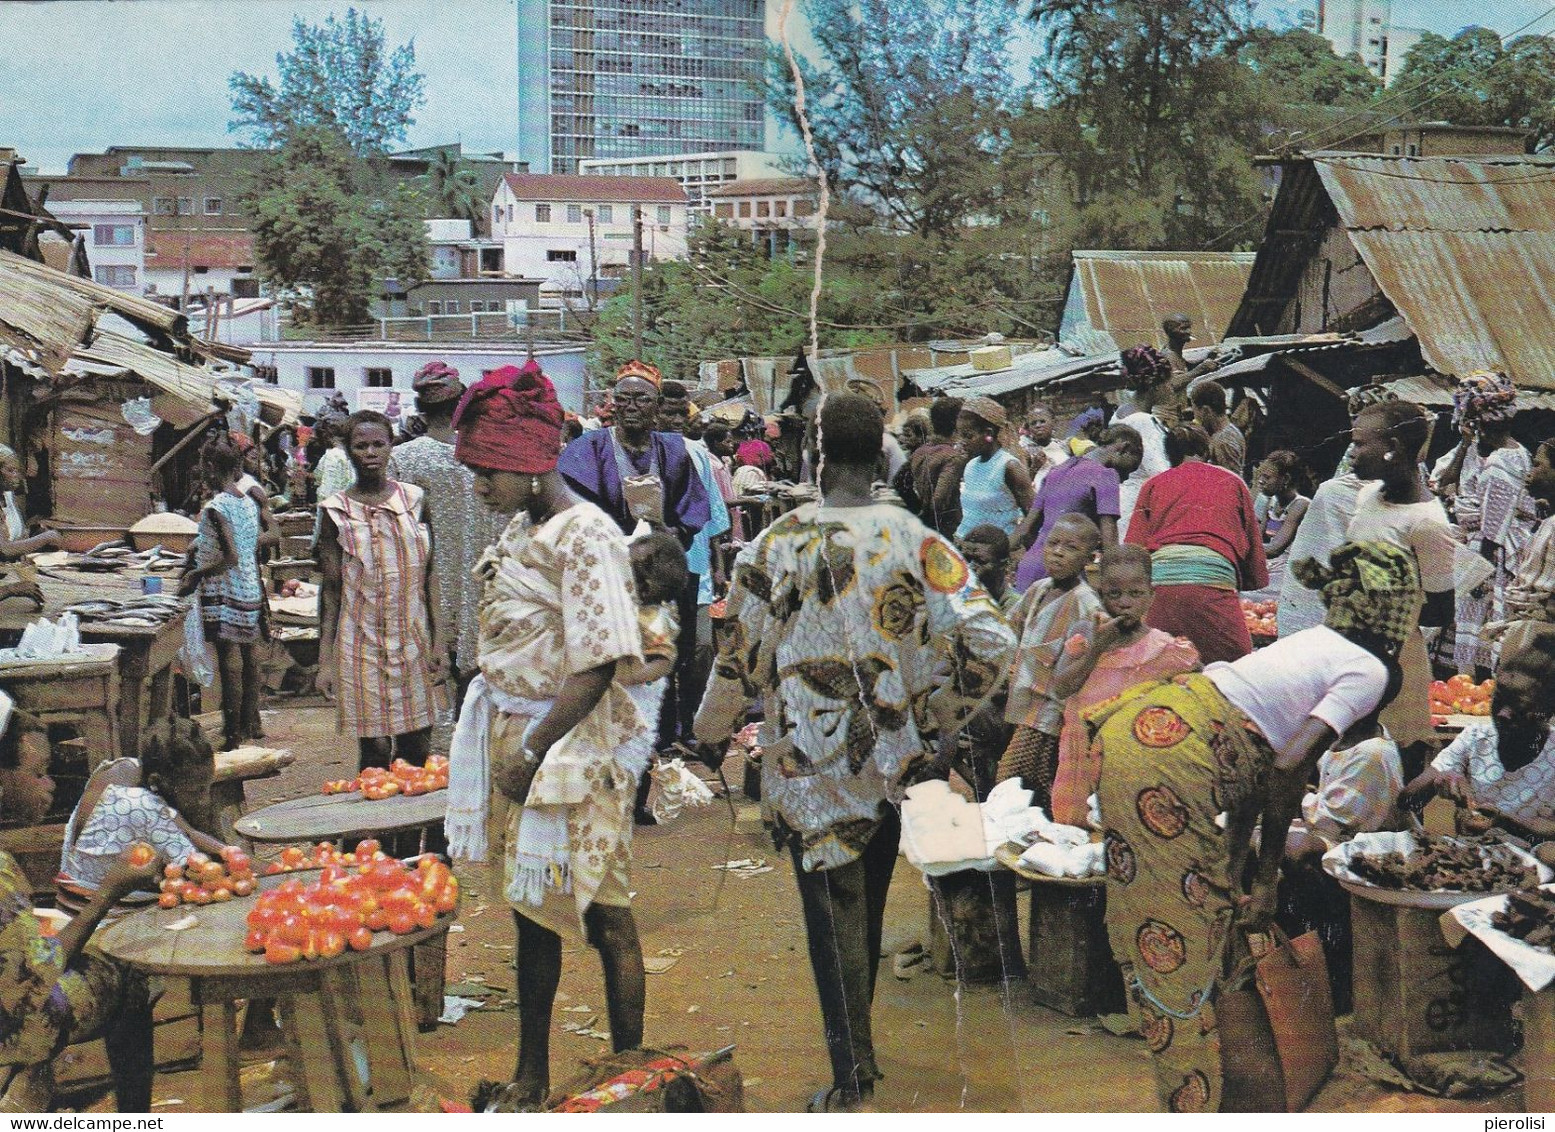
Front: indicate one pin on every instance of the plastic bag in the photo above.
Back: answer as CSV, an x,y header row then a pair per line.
x,y
195,657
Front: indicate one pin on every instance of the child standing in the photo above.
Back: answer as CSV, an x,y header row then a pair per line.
x,y
1278,480
1103,656
1041,622
226,574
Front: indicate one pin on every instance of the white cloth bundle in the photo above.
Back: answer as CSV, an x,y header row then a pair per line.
x,y
469,766
675,788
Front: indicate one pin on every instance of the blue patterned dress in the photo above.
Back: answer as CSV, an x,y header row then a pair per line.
x,y
230,601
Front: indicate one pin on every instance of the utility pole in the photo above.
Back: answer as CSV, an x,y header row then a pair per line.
x,y
637,282
593,262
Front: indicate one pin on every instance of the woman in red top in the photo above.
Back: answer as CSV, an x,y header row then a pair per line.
x,y
1197,522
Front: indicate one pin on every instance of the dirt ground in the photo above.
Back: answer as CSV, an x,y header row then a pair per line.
x,y
740,975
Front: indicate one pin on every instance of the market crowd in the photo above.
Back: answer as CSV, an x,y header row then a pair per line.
x,y
958,593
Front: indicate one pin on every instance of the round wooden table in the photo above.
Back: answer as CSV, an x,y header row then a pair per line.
x,y
323,1004
332,817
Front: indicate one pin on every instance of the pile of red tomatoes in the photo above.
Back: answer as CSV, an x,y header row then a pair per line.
x,y
401,777
347,904
200,880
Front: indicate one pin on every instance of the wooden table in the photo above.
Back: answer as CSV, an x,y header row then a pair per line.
x,y
318,1002
146,654
335,817
78,689
339,817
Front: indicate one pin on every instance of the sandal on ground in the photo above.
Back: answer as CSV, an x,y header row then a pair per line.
x,y
835,1099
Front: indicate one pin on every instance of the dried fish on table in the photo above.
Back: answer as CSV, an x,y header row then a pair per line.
x,y
1529,916
1449,864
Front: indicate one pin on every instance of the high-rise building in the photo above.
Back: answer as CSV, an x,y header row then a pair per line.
x,y
1365,28
638,78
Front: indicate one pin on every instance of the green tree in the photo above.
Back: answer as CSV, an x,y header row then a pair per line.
x,y
1474,79
323,237
454,190
1155,118
1300,70
339,74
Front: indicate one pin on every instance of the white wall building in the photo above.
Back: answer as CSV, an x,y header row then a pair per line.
x,y
571,229
115,239
772,209
318,369
1365,28
698,173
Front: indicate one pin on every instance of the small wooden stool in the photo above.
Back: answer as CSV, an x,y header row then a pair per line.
x,y
80,690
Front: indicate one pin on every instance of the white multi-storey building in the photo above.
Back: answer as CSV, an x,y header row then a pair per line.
x,y
698,173
1365,28
575,232
115,235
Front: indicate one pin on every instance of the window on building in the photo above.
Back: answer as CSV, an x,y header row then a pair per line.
x,y
212,206
664,214
606,214
542,214
113,235
724,210
780,208
203,269
267,374
321,377
434,306
115,275
164,206
378,377
245,288
451,306
185,206
496,216
561,255
574,214
745,210
763,209
510,214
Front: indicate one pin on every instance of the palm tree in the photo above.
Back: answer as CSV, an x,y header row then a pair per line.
x,y
455,190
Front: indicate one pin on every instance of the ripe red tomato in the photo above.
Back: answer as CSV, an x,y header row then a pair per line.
x,y
447,900
168,900
242,887
361,939
140,854
426,916
402,923
173,871
331,944
293,856
292,930
255,939
366,848
278,952
221,895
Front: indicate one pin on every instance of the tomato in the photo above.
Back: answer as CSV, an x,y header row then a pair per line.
x,y
447,900
367,847
386,875
238,862
377,920
221,895
402,923
275,867
173,871
425,916
398,900
331,944
242,887
291,929
140,854
198,896
255,939
168,900
278,952
310,946
293,856
211,872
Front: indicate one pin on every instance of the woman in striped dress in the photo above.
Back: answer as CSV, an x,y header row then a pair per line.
x,y
380,647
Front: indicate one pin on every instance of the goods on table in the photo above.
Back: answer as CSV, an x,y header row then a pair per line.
x,y
376,783
200,880
325,853
1260,617
347,904
167,529
1448,864
1529,916
144,610
1459,695
296,587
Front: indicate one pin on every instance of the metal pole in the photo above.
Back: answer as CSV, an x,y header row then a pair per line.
x,y
637,282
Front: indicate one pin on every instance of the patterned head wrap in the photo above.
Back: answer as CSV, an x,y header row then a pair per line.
x,y
1484,398
635,368
1144,365
1371,588
241,441
510,421
1364,397
437,382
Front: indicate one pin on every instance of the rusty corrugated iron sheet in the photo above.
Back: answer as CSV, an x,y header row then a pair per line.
x,y
1124,295
1475,300
1515,194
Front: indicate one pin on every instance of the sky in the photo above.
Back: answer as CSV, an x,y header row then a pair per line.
x,y
80,75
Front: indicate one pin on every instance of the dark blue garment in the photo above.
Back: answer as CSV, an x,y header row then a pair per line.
x,y
588,465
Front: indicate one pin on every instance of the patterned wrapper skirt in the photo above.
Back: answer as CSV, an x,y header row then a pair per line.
x,y
1174,755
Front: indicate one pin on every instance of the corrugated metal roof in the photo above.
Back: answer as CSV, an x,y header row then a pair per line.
x,y
1437,393
582,188
1441,194
1475,300
1121,297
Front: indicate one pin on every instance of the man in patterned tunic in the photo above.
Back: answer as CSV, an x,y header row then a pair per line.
x,y
870,643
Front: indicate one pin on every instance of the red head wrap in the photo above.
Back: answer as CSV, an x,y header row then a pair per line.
x,y
510,421
635,368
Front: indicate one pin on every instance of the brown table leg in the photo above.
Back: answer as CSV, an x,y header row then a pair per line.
x,y
132,694
216,1082
389,1028
319,1056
